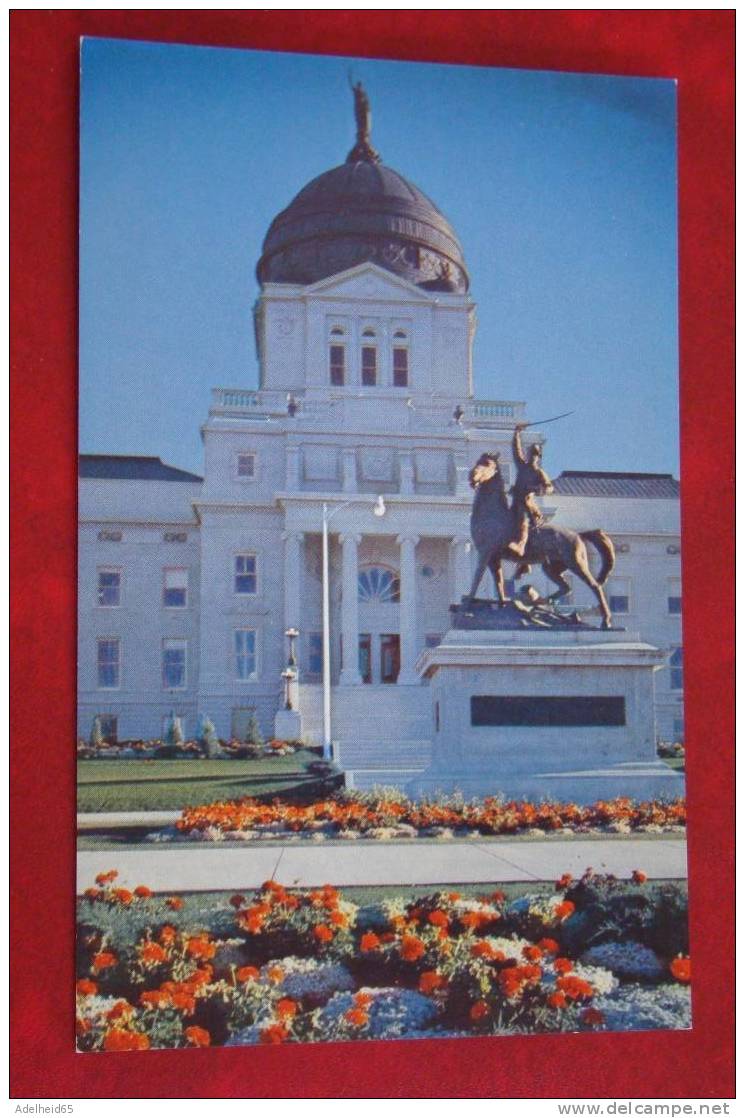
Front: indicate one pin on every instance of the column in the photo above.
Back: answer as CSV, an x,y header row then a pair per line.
x,y
293,568
460,566
350,672
407,609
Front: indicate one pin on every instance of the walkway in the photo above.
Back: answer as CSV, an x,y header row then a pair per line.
x,y
186,868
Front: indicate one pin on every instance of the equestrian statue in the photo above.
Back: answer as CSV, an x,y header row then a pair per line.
x,y
503,530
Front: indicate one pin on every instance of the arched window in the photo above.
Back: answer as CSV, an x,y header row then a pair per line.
x,y
400,359
378,584
369,359
337,357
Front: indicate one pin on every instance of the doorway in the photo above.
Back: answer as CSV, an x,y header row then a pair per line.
x,y
390,657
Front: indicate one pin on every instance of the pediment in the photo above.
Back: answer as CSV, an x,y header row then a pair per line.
x,y
369,282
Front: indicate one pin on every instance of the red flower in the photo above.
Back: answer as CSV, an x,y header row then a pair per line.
x,y
574,987
533,953
152,953
478,1011
123,896
557,1000
286,1007
369,942
103,961
274,1034
680,968
564,881
199,947
550,946
143,891
123,1040
237,900
85,987
323,933
563,966
175,903
357,1017
564,909
200,1038
106,878
439,918
430,980
592,1016
247,974
412,948
121,1009
639,877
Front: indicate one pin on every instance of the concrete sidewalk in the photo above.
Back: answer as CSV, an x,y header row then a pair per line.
x,y
182,868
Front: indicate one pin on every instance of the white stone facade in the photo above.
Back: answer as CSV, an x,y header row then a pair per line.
x,y
249,535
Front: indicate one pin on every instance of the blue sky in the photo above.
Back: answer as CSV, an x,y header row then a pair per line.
x,y
561,187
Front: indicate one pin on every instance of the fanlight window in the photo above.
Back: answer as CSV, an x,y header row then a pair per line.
x,y
378,584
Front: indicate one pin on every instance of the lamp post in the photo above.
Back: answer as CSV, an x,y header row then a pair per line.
x,y
378,510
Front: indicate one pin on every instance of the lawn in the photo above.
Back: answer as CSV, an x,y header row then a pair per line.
x,y
133,785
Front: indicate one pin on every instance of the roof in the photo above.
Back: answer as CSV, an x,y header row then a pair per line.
x,y
602,483
130,467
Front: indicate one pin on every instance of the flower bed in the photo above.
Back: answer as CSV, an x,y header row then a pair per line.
x,y
308,965
387,815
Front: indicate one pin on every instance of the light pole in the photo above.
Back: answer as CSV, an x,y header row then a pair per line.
x,y
378,510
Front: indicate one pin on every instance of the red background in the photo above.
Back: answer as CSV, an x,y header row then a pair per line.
x,y
696,48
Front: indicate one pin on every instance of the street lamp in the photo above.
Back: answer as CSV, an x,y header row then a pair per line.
x,y
378,510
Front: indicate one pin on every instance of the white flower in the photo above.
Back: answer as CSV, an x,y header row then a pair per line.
x,y
644,1007
603,981
627,960
392,1012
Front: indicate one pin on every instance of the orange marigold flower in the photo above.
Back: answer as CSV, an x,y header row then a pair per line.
x,y
557,1000
369,942
574,987
154,998
93,894
197,1036
563,966
275,974
338,919
85,987
454,896
550,946
106,878
152,953
123,896
482,950
498,897
286,1007
143,891
180,999
564,909
199,947
124,1040
247,974
362,999
439,918
121,1009
167,934
532,952
680,968
412,948
638,877
592,1016
274,1034
175,903
470,919
478,1011
430,981
564,881
357,1017
323,933
103,960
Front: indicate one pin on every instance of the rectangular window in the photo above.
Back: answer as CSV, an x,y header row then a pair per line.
x,y
369,365
108,661
174,664
175,587
246,465
336,365
619,595
245,574
674,599
109,588
400,367
676,669
109,727
315,653
245,654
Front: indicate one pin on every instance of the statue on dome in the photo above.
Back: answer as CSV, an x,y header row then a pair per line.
x,y
363,151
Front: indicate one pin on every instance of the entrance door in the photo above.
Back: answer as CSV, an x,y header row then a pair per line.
x,y
365,657
390,657
239,719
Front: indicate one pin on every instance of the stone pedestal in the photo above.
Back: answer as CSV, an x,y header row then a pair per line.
x,y
537,713
288,725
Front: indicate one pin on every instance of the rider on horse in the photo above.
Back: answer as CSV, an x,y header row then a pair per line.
x,y
531,479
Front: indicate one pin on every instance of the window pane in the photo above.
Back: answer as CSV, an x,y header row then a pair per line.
x,y
676,669
108,663
175,582
109,588
369,365
618,603
246,464
675,604
315,653
174,663
245,574
400,367
245,653
336,364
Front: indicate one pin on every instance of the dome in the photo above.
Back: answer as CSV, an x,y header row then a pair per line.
x,y
363,211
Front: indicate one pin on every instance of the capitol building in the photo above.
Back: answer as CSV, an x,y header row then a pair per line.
x,y
365,414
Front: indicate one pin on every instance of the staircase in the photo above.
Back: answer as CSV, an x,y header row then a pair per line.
x,y
381,734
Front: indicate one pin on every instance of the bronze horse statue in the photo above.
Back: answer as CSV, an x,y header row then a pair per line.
x,y
555,549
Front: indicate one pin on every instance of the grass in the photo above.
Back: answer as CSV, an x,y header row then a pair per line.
x,y
676,763
133,785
